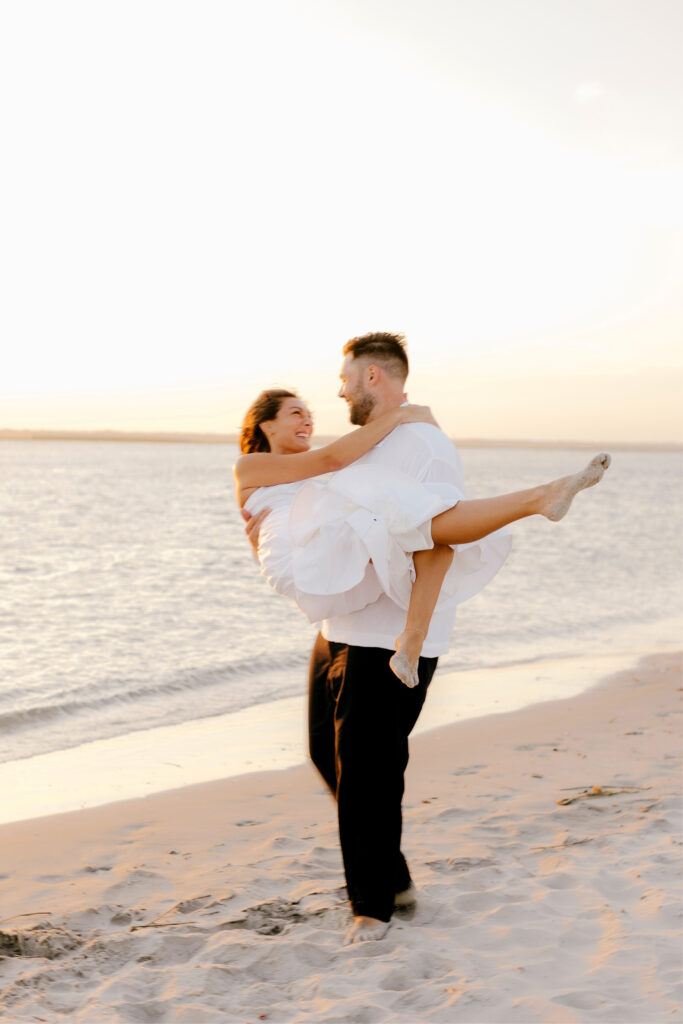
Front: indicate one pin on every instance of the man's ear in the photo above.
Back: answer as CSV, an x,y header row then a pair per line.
x,y
372,374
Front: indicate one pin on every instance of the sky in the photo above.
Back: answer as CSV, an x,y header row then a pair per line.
x,y
200,200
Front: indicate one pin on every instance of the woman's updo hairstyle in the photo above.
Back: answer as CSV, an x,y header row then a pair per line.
x,y
266,407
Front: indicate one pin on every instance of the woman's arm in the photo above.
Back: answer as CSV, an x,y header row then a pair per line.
x,y
261,469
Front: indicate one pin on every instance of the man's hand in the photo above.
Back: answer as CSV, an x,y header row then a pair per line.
x,y
253,527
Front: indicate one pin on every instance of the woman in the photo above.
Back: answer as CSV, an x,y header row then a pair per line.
x,y
334,546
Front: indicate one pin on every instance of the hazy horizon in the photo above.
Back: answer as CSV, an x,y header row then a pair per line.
x,y
113,435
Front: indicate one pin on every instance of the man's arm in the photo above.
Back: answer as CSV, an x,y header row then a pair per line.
x,y
424,453
263,469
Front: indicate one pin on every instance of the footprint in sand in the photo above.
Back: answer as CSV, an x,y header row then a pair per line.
x,y
580,1000
452,865
136,827
288,844
450,814
269,918
478,901
189,906
149,1010
397,980
471,769
151,881
39,941
121,917
173,948
559,881
536,746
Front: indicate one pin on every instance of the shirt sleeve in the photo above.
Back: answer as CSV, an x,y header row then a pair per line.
x,y
441,462
422,452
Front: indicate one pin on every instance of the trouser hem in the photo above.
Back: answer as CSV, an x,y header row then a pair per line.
x,y
368,910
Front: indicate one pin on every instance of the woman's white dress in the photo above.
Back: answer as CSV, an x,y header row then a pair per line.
x,y
334,545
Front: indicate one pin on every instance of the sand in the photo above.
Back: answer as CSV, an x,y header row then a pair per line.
x,y
224,901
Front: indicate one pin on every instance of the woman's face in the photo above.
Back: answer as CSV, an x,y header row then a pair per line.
x,y
291,430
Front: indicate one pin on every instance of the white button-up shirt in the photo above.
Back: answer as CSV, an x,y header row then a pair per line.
x,y
425,453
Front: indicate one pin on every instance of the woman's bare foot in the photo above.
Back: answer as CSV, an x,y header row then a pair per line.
x,y
559,495
365,929
404,663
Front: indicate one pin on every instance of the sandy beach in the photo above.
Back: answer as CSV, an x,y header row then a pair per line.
x,y
545,844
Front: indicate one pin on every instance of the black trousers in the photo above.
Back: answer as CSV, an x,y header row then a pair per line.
x,y
360,717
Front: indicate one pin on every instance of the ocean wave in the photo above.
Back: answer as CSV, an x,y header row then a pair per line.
x,y
18,719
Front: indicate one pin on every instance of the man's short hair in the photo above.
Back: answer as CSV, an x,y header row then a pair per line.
x,y
387,350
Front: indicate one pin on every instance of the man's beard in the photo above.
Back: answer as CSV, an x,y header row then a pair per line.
x,y
360,409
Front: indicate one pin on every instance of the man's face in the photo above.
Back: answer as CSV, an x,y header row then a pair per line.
x,y
354,391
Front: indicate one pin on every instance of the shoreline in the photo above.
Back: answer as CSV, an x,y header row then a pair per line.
x,y
267,737
544,844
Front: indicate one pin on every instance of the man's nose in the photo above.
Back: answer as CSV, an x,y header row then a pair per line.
x,y
340,393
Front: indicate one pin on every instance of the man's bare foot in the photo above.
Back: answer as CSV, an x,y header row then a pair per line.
x,y
365,929
404,663
407,899
559,494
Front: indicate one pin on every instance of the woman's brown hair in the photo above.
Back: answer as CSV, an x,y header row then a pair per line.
x,y
266,407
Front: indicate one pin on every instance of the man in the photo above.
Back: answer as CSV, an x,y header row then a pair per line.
x,y
360,714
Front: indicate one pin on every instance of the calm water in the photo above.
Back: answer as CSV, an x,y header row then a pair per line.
x,y
130,598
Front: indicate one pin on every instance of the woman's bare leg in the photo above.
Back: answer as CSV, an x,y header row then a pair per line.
x,y
431,567
470,521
